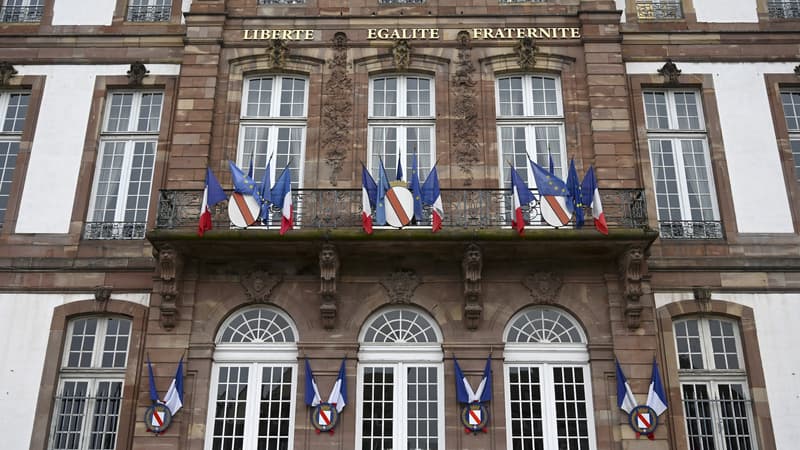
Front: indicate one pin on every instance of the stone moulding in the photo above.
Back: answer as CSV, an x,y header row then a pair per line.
x,y
258,285
472,266
276,52
526,53
400,286
465,110
328,272
632,274
543,287
337,110
169,264
401,54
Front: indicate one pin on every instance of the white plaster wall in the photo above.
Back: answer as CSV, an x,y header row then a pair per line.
x,y
742,11
185,6
25,320
751,149
621,6
778,334
83,12
49,191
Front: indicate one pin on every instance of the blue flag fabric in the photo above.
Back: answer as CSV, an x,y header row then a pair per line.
x,y
282,185
430,189
153,391
547,183
416,190
588,185
656,396
380,198
399,175
215,192
524,194
312,392
265,194
251,169
338,395
369,184
486,382
464,392
625,399
462,385
575,197
241,182
552,166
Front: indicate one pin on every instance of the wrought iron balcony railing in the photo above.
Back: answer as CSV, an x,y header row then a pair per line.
x,y
341,208
690,229
148,13
281,2
400,2
658,10
114,230
21,13
521,1
784,9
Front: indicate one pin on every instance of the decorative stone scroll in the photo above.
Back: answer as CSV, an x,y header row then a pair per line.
x,y
337,109
400,286
6,72
632,269
670,72
401,53
526,53
543,286
472,266
702,295
258,285
465,110
137,73
328,271
276,52
169,268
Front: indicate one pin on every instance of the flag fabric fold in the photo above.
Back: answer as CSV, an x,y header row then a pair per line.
x,y
432,196
575,197
520,196
338,396
548,183
591,197
369,190
625,399
174,398
282,198
153,391
242,183
464,392
380,196
265,194
399,173
312,392
484,391
656,397
416,189
212,194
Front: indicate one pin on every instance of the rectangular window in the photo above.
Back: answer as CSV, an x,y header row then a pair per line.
x,y
21,11
124,173
87,405
659,9
149,10
684,184
791,112
14,107
784,9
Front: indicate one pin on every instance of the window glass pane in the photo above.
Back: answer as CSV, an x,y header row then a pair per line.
x,y
422,412
16,112
526,419
69,415
288,152
723,343
377,408
119,113
140,179
699,424
275,407
259,96
419,142
81,344
384,97
229,410
8,162
384,148
572,426
548,147
687,111
418,97
292,97
795,143
735,424
687,336
665,177
510,96
150,112
260,325
115,347
791,110
698,185
544,96
401,326
105,418
542,325
655,109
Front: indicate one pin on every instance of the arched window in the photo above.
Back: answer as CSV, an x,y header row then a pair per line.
x,y
253,382
400,380
547,382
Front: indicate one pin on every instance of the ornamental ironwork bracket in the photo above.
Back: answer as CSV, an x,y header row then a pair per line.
x,y
170,265
472,266
328,272
632,274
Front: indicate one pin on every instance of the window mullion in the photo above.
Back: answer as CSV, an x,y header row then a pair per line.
x,y
547,393
400,435
680,176
402,96
88,412
275,99
136,107
252,405
124,181
706,346
99,339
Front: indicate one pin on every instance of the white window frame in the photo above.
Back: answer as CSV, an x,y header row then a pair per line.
x,y
255,357
399,357
676,136
93,376
402,122
712,378
22,15
546,357
9,138
531,121
793,131
130,138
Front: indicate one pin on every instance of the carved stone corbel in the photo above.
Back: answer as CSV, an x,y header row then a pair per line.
x,y
276,52
797,70
258,285
137,73
465,110
102,294
471,266
702,295
670,72
632,270
337,109
401,54
400,286
328,271
6,72
544,287
169,268
526,53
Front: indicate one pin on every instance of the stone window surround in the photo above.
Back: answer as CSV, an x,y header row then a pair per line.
x,y
665,318
774,84
83,191
705,85
121,13
62,315
35,86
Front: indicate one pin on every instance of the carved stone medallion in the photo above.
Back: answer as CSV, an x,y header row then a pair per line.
x,y
400,286
401,53
670,72
258,285
543,286
137,73
526,53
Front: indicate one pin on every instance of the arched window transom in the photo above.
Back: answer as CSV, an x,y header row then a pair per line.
x,y
401,326
545,326
257,326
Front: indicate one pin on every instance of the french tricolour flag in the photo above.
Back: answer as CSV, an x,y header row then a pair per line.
x,y
656,397
432,195
591,196
520,196
464,392
174,397
625,399
212,194
369,190
282,198
338,395
312,392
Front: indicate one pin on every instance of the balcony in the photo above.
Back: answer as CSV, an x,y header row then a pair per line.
x,y
148,13
281,2
659,10
20,14
784,9
114,230
689,229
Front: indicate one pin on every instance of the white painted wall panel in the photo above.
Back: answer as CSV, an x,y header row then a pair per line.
x,y
25,320
621,6
49,191
778,335
185,6
728,11
751,149
83,12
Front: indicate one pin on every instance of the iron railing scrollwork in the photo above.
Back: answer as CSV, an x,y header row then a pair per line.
x,y
784,9
659,10
31,13
149,13
691,229
281,2
400,2
115,230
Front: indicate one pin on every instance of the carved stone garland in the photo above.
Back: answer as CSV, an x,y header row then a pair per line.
x,y
543,287
465,110
401,54
632,271
337,110
276,51
6,72
328,271
400,286
670,72
169,268
258,285
471,266
137,73
526,53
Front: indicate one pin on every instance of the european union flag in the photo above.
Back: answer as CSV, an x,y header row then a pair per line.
x,y
547,183
415,189
380,198
575,197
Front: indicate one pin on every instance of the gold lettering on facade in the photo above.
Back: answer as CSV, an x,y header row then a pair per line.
x,y
402,33
421,33
286,35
